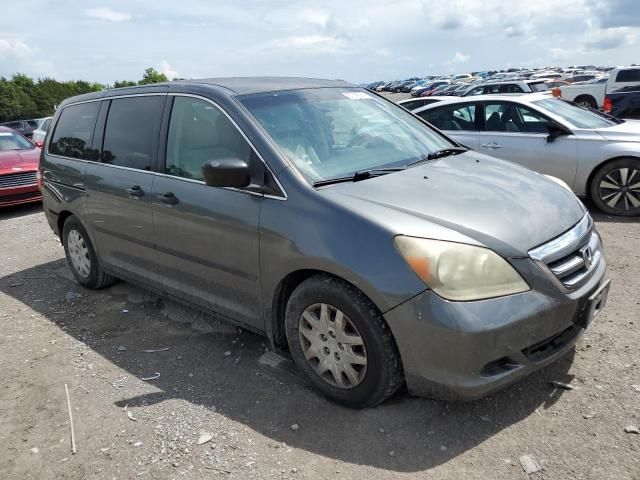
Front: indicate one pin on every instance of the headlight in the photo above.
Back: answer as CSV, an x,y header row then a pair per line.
x,y
460,272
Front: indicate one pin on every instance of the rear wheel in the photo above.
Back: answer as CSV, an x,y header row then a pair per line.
x,y
82,257
586,101
615,188
342,343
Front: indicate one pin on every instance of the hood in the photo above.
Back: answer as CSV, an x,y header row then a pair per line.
x,y
628,131
499,204
15,161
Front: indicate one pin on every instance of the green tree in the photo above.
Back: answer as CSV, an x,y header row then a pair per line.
x,y
123,84
151,75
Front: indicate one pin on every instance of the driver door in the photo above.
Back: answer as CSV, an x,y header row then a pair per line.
x,y
207,238
519,134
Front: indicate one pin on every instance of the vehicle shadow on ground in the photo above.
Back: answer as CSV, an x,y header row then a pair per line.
x,y
19,210
421,433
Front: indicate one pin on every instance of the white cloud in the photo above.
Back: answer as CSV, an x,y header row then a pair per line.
x,y
167,70
309,44
15,48
104,13
316,17
460,58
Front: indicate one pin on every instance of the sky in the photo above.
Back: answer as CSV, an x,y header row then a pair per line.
x,y
354,40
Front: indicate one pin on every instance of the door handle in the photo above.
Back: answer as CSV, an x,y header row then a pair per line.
x,y
135,191
492,146
169,198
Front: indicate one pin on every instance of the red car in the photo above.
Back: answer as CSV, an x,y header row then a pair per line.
x,y
19,160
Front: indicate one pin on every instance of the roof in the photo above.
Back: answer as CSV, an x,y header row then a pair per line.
x,y
520,97
248,85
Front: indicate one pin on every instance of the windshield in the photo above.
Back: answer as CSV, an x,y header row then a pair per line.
x,y
334,132
577,116
13,141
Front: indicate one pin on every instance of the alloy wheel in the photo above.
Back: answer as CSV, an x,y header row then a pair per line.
x,y
332,345
79,253
620,189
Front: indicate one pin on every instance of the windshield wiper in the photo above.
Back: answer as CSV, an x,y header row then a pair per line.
x,y
445,152
357,176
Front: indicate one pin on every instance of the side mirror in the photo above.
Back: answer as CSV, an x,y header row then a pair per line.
x,y
555,131
227,172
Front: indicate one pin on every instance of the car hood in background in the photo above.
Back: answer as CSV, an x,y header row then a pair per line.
x,y
16,161
499,204
629,131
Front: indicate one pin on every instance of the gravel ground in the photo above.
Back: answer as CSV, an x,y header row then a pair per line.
x,y
259,421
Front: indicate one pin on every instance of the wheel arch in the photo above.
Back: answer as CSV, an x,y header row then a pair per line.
x,y
275,327
601,165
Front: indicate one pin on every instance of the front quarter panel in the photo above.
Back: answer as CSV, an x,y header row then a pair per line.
x,y
594,151
309,232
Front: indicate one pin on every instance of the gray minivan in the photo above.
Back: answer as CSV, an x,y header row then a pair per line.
x,y
379,251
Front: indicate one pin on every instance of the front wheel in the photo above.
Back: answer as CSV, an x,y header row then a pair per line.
x,y
342,343
615,188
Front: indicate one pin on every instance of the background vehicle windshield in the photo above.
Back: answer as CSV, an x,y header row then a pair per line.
x,y
13,141
576,116
333,132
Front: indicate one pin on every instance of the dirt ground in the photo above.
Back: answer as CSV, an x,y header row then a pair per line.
x,y
264,421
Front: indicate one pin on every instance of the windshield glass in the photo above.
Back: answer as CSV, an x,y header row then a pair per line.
x,y
577,116
334,132
13,141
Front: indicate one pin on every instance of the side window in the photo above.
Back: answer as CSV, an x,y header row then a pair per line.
x,y
74,130
199,132
510,88
508,117
453,117
476,91
131,131
628,76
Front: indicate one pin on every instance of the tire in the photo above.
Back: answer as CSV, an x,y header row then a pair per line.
x,y
587,101
615,188
81,256
373,382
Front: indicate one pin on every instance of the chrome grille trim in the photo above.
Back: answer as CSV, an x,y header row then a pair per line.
x,y
17,179
573,256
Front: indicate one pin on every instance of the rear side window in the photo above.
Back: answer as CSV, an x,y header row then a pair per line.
x,y
74,130
453,117
628,76
131,131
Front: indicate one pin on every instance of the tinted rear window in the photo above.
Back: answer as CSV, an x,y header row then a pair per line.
x,y
74,130
628,76
131,131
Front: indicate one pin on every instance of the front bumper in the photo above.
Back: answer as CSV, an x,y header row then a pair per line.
x,y
465,350
19,195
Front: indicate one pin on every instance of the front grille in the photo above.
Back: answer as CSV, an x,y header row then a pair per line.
x,y
17,179
572,256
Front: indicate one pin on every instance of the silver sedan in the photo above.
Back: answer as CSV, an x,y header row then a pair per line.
x,y
596,155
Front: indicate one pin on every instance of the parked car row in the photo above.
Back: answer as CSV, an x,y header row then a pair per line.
x,y
27,127
585,86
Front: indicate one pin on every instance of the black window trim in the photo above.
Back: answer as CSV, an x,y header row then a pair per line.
x,y
155,170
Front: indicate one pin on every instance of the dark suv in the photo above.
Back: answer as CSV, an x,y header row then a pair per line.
x,y
332,220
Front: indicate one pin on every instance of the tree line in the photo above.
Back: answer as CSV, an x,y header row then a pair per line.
x,y
23,98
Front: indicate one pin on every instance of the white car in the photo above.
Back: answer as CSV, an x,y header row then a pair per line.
x,y
40,133
596,155
510,86
592,94
414,103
